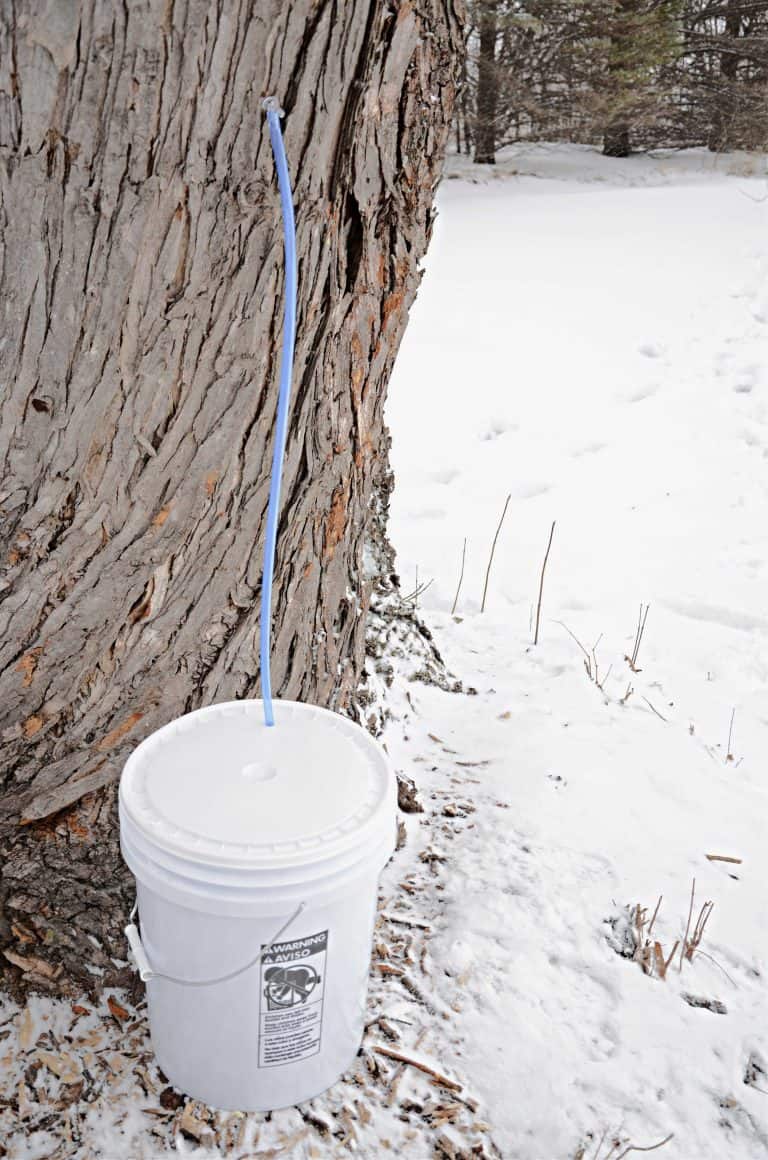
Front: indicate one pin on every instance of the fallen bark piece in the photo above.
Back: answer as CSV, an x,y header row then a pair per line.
x,y
391,1053
63,1065
31,965
713,1005
118,1012
171,1100
450,1147
194,1123
26,1027
389,969
407,795
25,1107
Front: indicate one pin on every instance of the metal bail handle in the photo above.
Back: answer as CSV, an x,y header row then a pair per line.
x,y
146,972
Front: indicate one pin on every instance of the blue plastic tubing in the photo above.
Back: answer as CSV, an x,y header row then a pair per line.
x,y
283,402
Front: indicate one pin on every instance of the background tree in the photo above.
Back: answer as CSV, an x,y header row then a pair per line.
x,y
487,82
141,290
722,74
640,39
622,73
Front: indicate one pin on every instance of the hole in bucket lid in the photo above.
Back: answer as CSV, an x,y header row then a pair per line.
x,y
258,771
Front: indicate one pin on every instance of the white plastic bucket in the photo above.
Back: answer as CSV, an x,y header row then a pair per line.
x,y
235,832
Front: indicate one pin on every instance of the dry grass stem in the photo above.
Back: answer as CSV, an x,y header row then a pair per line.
x,y
493,550
591,666
632,660
729,754
649,1148
649,952
461,577
656,711
541,583
614,1143
413,597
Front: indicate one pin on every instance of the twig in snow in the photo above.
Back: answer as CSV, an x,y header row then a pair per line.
x,y
691,944
400,1072
390,1053
600,1144
698,930
723,858
662,964
656,711
719,966
573,637
493,549
461,577
413,597
632,661
656,911
649,952
406,921
729,754
591,666
613,1154
541,584
688,924
649,1148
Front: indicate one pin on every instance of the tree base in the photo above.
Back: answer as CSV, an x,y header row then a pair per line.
x,y
616,141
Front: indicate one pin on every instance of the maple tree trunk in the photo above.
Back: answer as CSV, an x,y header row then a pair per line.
x,y
141,281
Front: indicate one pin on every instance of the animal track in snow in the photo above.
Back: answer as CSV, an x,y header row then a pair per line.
x,y
497,428
716,614
747,378
428,514
447,475
646,392
588,449
530,490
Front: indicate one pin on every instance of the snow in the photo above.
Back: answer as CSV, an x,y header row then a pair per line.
x,y
590,339
593,343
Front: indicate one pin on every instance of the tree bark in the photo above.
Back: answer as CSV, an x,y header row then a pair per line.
x,y
141,289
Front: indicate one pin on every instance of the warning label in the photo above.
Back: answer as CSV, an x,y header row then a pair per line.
x,y
291,1000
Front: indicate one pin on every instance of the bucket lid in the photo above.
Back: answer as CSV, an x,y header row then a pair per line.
x,y
219,786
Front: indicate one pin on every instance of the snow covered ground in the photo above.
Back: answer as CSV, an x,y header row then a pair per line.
x,y
591,339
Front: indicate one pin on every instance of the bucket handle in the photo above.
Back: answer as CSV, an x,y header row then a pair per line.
x,y
146,971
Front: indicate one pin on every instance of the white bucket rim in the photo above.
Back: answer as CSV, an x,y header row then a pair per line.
x,y
358,832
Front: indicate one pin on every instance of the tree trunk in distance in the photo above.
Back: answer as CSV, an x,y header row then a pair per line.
x,y
616,137
487,85
726,97
616,140
141,282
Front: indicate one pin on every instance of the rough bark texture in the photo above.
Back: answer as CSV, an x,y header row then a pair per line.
x,y
140,290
